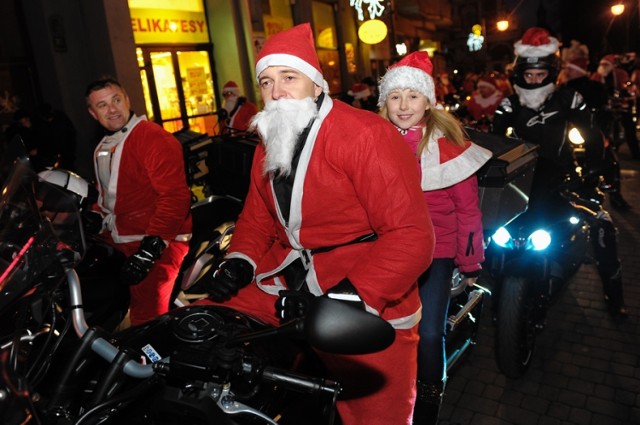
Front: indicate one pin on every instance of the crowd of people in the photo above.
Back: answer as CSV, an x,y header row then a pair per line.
x,y
376,192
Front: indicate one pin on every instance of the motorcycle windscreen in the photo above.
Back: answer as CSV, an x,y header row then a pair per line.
x,y
40,228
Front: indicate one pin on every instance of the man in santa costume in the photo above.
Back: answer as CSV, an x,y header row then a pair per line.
x,y
543,112
143,198
334,199
485,99
239,109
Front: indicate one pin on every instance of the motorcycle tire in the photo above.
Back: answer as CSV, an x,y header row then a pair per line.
x,y
516,331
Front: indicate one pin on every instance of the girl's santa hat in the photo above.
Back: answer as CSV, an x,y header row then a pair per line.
x,y
413,72
294,48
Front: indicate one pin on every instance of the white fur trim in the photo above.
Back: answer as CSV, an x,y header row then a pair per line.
x,y
407,77
282,59
439,176
529,51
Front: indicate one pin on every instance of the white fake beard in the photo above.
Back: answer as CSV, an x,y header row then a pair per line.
x,y
280,125
230,103
534,98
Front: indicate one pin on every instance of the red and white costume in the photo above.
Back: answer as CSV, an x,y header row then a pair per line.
x,y
143,191
355,177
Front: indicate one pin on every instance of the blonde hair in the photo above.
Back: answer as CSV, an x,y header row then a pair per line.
x,y
449,125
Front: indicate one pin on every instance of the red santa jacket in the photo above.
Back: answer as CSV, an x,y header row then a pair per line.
x,y
479,106
241,118
147,193
355,177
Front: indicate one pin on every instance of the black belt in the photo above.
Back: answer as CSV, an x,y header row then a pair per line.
x,y
296,272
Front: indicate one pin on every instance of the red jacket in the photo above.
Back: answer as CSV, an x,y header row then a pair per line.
x,y
147,190
354,177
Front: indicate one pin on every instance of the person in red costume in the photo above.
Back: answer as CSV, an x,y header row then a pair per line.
x,y
239,109
144,201
447,162
485,99
334,199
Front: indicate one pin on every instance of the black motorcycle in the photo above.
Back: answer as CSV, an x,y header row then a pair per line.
x,y
532,258
196,364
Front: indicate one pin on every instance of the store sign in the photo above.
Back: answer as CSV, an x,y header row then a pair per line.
x,y
168,26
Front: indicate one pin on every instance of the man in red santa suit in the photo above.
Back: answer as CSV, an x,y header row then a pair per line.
x,y
143,198
239,109
335,196
485,99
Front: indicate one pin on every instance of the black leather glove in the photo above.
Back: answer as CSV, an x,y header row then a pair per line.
x,y
229,278
137,266
293,304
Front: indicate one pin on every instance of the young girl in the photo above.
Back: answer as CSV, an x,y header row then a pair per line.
x,y
447,163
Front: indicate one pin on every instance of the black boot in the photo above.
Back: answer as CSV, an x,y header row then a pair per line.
x,y
613,295
428,402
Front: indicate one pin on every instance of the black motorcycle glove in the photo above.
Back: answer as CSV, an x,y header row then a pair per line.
x,y
137,266
232,275
293,304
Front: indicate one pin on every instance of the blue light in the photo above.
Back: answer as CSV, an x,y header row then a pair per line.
x,y
501,237
540,239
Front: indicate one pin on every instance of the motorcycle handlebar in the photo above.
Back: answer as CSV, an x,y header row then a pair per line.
x,y
301,383
100,346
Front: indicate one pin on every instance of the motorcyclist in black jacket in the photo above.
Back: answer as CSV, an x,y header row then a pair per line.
x,y
542,112
596,97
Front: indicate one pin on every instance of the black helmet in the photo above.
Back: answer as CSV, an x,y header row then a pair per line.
x,y
550,63
536,50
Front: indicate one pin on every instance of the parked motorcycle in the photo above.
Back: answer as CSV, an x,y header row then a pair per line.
x,y
197,364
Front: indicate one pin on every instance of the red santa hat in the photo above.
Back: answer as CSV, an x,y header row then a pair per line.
x,y
578,64
413,72
610,59
536,42
487,81
294,48
359,91
231,86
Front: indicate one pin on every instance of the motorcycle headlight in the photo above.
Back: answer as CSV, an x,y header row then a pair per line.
x,y
501,237
540,239
575,137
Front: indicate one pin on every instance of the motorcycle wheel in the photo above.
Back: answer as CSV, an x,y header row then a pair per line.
x,y
516,333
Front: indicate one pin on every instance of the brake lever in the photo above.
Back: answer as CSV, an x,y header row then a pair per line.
x,y
227,403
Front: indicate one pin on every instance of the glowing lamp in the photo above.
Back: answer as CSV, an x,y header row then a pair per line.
x,y
617,9
502,25
372,31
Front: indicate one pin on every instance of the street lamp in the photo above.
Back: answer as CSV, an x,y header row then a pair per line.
x,y
617,9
